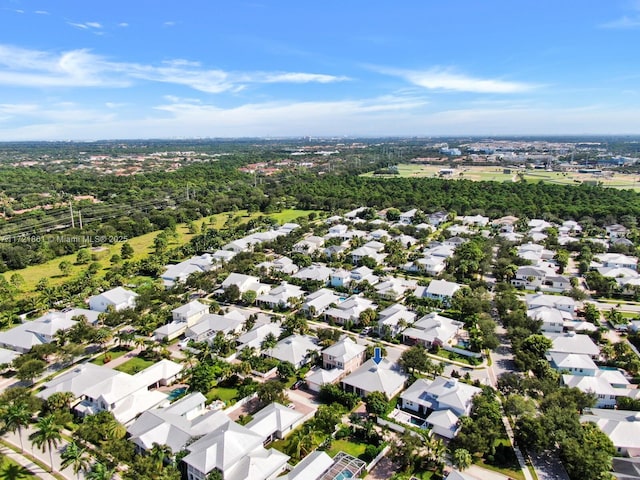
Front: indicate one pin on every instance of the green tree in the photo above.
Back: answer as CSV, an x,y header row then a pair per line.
x,y
249,297
271,391
126,251
65,267
588,457
83,257
415,359
31,369
100,471
462,459
47,435
75,457
376,403
16,416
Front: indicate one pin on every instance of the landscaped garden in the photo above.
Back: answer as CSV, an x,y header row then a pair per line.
x,y
135,365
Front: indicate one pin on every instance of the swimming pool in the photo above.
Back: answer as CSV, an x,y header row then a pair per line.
x,y
344,474
177,393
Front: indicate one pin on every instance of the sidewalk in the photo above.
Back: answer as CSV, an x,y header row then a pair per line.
x,y
42,457
26,463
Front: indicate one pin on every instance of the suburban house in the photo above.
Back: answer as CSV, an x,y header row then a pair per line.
x,y
475,220
279,265
117,298
616,231
184,317
432,329
43,329
312,467
552,319
349,310
179,272
606,385
560,302
245,283
309,245
318,377
175,425
280,296
621,426
254,337
371,249
294,349
340,278
441,393
572,363
616,260
100,388
441,290
394,288
407,217
317,302
574,343
237,452
383,377
210,324
344,354
274,422
442,400
396,317
316,272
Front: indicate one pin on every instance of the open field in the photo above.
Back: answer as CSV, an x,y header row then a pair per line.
x,y
142,246
496,174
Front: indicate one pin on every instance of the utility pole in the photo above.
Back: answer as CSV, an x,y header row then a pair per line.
x,y
80,218
73,224
187,191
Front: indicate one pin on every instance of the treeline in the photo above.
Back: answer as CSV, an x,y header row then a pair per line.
x,y
533,200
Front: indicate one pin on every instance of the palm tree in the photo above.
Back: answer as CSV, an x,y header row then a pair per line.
x,y
462,459
74,456
14,472
47,435
160,453
16,416
100,471
300,443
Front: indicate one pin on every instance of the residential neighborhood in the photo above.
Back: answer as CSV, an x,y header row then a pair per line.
x,y
288,358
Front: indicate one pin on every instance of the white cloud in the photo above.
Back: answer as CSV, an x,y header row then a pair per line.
x,y
169,24
123,24
94,25
81,68
87,26
623,23
295,77
41,12
449,80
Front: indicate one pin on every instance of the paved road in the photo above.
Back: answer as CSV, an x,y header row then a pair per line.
x,y
548,467
502,357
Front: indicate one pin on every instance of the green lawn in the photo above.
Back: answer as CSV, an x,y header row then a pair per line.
x,y
347,446
11,469
135,365
114,352
227,395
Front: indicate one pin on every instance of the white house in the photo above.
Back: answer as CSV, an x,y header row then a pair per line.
x,y
396,317
383,377
432,329
441,290
281,296
245,283
621,426
572,363
345,354
315,272
294,349
317,302
349,310
184,317
407,217
119,298
441,393
206,328
179,272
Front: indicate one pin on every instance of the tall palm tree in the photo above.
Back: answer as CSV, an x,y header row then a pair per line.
x,y
100,471
47,435
462,459
15,417
74,456
160,453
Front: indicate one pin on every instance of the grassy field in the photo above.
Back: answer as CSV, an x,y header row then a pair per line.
x,y
11,469
489,173
142,246
227,395
114,353
347,446
135,365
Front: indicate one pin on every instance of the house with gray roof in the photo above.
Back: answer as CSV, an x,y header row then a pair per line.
x,y
349,310
280,296
210,324
294,349
385,377
179,272
345,354
317,302
621,426
396,317
441,393
275,421
441,290
117,298
432,329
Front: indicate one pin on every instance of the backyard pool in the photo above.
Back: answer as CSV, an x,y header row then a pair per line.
x,y
177,393
343,475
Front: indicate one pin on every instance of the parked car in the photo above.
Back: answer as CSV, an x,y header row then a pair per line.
x,y
297,385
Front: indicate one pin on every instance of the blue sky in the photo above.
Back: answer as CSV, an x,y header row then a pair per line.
x,y
83,70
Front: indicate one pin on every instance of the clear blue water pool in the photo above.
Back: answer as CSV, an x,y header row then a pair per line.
x,y
177,393
343,475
